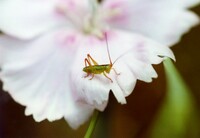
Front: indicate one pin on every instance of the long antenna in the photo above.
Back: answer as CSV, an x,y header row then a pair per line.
x,y
109,52
129,50
108,48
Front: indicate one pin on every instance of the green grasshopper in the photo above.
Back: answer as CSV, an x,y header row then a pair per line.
x,y
99,69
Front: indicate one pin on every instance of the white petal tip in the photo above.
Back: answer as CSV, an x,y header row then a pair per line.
x,y
123,102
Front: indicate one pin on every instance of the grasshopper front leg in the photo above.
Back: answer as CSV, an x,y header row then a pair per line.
x,y
116,72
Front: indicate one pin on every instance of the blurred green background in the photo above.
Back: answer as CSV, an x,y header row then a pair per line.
x,y
133,120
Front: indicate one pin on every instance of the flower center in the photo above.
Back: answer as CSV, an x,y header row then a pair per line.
x,y
92,21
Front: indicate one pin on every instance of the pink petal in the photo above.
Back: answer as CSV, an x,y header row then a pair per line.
x,y
36,74
177,3
162,20
140,54
26,19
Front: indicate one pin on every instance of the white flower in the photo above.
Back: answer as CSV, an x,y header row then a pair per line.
x,y
45,43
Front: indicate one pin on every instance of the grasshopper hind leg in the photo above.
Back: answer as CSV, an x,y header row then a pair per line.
x,y
87,62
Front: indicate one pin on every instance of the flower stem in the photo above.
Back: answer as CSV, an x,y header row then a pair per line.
x,y
92,124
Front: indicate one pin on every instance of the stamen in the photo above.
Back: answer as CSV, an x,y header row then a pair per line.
x,y
61,9
94,6
114,12
70,14
91,23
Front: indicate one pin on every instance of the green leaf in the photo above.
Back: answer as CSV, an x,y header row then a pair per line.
x,y
178,109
